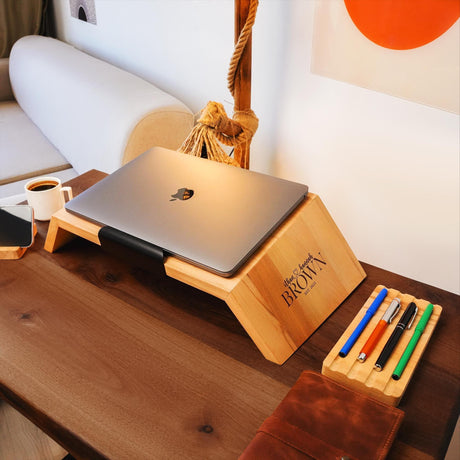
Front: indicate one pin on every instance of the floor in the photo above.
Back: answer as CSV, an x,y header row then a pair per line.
x,y
21,439
453,453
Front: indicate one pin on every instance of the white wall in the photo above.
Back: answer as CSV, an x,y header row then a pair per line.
x,y
387,169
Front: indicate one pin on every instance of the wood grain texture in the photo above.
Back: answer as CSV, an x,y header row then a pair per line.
x,y
296,282
112,393
430,402
362,376
11,252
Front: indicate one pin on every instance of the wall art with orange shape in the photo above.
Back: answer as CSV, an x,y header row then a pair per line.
x,y
406,48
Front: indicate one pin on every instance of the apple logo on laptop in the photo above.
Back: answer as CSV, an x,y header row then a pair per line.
x,y
182,194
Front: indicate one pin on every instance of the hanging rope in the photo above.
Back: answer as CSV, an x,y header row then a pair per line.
x,y
241,45
214,126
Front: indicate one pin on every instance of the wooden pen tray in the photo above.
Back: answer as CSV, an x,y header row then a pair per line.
x,y
362,376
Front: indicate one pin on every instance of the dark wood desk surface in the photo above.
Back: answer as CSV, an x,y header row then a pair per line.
x,y
113,361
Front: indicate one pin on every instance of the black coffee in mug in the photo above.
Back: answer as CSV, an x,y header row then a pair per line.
x,y
42,185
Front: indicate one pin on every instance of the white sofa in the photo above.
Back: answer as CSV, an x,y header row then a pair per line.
x,y
63,112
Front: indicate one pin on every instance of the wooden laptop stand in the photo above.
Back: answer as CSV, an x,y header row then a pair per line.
x,y
285,291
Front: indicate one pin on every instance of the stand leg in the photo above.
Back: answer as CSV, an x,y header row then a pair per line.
x,y
57,236
65,226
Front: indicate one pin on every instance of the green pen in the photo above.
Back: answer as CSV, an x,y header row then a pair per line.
x,y
413,342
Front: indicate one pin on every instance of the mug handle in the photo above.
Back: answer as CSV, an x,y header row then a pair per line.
x,y
69,193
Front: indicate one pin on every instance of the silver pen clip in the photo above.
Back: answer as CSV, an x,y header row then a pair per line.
x,y
392,310
413,317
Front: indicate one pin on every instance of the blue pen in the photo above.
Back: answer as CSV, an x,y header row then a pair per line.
x,y
363,323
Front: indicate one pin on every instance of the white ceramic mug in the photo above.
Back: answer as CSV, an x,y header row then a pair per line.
x,y
46,195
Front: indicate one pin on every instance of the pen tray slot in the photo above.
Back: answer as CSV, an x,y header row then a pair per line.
x,y
362,376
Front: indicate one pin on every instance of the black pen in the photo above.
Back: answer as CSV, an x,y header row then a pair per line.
x,y
405,322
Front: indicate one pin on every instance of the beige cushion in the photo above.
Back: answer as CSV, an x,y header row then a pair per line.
x,y
24,151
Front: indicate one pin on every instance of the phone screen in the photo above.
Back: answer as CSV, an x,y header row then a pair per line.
x,y
16,226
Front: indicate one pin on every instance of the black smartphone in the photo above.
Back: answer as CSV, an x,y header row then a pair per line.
x,y
16,226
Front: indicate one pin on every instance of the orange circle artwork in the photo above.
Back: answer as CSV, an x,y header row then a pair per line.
x,y
403,24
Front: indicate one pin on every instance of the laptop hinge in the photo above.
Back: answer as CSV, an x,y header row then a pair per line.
x,y
132,249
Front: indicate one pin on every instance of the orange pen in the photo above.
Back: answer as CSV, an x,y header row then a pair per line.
x,y
377,333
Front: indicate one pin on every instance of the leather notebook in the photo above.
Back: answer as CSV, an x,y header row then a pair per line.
x,y
321,419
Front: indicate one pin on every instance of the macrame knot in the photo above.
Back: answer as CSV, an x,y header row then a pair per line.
x,y
214,125
248,121
213,115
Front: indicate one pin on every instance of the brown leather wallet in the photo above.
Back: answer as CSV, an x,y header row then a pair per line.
x,y
321,419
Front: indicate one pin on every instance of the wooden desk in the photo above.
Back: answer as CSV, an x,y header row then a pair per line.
x,y
114,362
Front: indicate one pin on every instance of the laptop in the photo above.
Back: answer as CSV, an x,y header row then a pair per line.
x,y
207,213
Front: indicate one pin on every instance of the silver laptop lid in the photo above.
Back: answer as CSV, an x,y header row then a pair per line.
x,y
207,213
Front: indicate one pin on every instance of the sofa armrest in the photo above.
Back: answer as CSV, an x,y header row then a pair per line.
x,y
6,93
97,115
